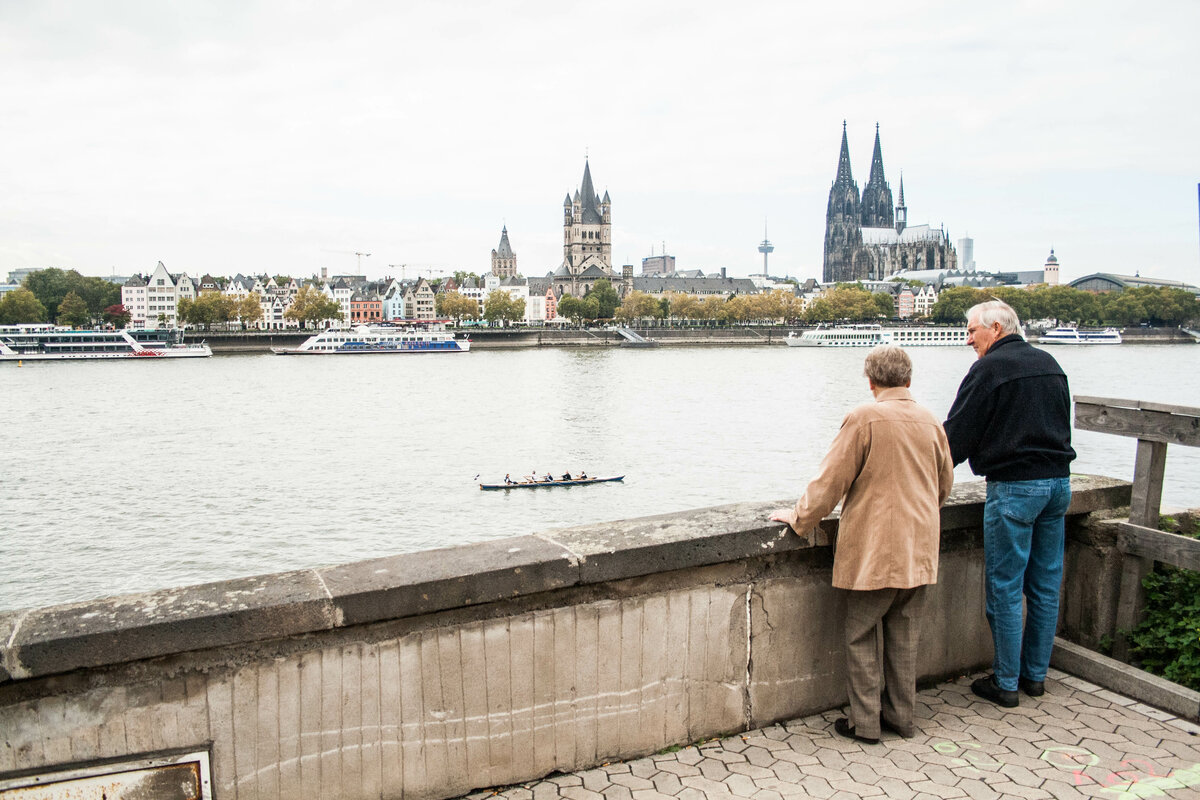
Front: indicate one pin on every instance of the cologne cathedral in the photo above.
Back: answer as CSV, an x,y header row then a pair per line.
x,y
867,238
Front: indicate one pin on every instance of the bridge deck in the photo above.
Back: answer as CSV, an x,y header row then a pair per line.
x,y
1078,740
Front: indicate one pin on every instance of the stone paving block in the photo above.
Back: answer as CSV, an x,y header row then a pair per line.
x,y
1022,775
1135,735
856,788
1115,699
734,744
689,755
726,756
740,785
690,793
667,783
1149,711
594,780
713,770
938,790
709,787
896,789
579,793
679,770
631,781
643,768
760,756
766,794
750,771
649,794
570,779
545,790
815,786
786,771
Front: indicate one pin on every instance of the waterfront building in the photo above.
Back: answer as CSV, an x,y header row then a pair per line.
x,y
587,240
153,302
1050,271
966,254
712,286
1109,282
504,260
419,300
866,238
366,308
662,264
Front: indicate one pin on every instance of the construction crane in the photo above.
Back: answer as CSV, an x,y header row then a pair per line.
x,y
418,268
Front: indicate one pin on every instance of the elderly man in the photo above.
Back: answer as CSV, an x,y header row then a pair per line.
x,y
891,463
1012,421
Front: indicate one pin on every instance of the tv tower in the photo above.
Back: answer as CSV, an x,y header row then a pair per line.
x,y
766,248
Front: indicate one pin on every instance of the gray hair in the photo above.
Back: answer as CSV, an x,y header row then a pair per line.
x,y
994,311
888,366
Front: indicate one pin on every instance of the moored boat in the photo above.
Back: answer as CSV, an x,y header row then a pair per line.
x,y
546,484
378,339
42,342
870,335
1070,335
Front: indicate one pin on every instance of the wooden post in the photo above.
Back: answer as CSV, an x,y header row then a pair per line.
x,y
1144,506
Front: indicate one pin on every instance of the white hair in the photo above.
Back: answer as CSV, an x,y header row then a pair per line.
x,y
994,311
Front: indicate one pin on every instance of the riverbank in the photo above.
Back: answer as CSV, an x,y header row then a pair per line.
x,y
522,338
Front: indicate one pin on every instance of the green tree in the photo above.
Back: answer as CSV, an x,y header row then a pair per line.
x,y
886,304
606,298
73,311
249,309
638,305
311,305
51,286
21,306
571,308
498,306
952,304
452,305
117,315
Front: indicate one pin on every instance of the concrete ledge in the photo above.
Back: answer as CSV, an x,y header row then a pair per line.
x,y
1123,679
130,628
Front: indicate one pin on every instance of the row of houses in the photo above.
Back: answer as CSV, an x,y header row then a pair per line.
x,y
153,301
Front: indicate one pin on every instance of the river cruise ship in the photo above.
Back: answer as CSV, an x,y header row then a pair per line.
x,y
42,342
377,339
869,335
1069,335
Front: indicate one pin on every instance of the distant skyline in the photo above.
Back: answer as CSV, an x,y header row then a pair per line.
x,y
252,137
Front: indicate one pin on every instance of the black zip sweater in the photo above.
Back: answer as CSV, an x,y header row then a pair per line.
x,y
1012,416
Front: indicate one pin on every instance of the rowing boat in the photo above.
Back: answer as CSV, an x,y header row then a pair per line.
x,y
543,484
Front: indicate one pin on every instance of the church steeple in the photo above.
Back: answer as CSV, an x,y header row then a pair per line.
x,y
844,176
877,195
901,209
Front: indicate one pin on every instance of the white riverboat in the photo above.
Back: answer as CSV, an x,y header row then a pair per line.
x,y
1070,335
870,335
377,339
41,342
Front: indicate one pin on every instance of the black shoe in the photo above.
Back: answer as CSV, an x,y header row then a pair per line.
x,y
887,726
844,728
988,689
1031,688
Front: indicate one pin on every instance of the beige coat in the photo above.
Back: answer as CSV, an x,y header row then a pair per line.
x,y
891,463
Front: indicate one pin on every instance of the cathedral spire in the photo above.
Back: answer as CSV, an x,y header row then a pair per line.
x,y
877,162
844,176
901,209
589,201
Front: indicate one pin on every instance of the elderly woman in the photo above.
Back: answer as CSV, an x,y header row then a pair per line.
x,y
890,467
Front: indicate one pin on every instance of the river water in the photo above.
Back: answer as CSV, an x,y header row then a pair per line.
x,y
129,476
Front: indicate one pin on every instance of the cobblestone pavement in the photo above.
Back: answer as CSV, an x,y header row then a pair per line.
x,y
1077,740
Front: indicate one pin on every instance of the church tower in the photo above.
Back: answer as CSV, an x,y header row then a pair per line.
x,y
901,209
1050,271
587,228
504,260
877,195
843,231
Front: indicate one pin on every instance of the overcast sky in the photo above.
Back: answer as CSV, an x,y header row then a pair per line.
x,y
283,137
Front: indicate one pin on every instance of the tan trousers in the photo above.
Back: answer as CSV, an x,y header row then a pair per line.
x,y
883,631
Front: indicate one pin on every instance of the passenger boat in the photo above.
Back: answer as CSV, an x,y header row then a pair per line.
x,y
1070,335
546,484
870,335
378,339
42,342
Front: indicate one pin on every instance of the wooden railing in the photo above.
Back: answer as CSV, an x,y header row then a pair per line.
x,y
1154,425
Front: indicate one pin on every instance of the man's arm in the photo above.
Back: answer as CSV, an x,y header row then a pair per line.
x,y
968,418
837,472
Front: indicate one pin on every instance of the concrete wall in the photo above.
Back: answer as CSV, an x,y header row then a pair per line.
x,y
430,674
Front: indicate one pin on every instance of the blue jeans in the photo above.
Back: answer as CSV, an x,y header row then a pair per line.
x,y
1023,535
